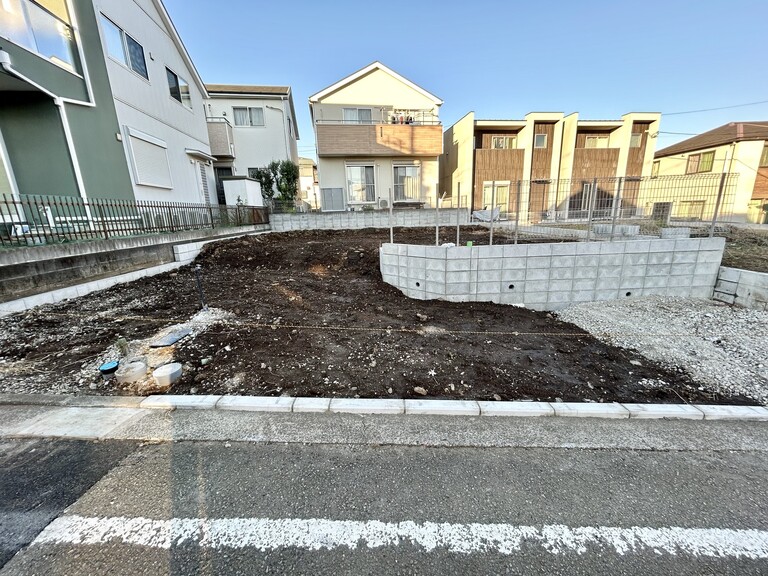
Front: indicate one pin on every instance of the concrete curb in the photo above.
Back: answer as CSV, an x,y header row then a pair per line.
x,y
424,407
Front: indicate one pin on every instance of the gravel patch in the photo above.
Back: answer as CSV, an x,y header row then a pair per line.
x,y
725,348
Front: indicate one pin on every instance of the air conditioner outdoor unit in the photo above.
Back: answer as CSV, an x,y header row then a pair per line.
x,y
383,203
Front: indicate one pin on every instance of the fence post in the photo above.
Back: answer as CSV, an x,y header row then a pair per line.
x,y
210,213
592,199
103,220
493,208
391,223
517,207
616,207
458,213
720,192
437,215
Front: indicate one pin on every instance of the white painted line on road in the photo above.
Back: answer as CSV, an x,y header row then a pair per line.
x,y
322,534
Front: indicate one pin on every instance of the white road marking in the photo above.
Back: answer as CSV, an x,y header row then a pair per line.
x,y
321,534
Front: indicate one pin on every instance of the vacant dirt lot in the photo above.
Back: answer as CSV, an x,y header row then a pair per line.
x,y
310,316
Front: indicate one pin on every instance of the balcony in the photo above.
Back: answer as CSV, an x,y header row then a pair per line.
x,y
220,136
419,138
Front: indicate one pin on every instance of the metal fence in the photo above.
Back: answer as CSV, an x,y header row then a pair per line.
x,y
32,220
600,208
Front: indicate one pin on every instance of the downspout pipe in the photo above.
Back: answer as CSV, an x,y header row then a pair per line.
x,y
5,62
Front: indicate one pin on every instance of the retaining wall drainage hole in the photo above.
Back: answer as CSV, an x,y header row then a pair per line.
x,y
629,293
511,286
417,284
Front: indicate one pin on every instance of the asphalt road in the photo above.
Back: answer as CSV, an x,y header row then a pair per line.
x,y
245,508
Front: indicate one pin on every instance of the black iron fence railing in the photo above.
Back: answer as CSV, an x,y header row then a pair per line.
x,y
34,219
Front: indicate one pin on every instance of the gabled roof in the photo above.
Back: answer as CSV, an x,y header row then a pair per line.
x,y
251,90
725,134
180,45
362,72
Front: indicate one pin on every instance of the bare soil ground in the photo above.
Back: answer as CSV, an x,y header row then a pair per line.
x,y
746,249
310,316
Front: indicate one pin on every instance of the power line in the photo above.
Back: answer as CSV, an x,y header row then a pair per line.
x,y
713,109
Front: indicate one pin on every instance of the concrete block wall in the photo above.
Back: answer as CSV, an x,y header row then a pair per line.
x,y
553,276
742,287
370,219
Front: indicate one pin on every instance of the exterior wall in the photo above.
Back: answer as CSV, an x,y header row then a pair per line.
x,y
378,140
565,156
743,288
332,174
147,106
257,146
456,163
552,276
372,219
377,88
32,128
740,158
248,191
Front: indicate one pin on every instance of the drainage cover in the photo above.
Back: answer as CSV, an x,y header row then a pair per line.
x,y
171,338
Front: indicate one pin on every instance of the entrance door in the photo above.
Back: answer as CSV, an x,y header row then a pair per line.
x,y
222,171
538,201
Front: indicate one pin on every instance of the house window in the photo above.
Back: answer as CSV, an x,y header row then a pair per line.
x,y
693,164
636,140
249,116
150,160
179,88
655,169
498,199
503,142
700,162
407,183
123,48
593,141
357,116
764,157
42,26
586,195
706,162
361,185
540,141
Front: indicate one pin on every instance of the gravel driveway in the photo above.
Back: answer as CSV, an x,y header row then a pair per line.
x,y
723,346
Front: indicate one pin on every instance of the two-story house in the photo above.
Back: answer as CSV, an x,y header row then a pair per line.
x,y
249,127
99,100
378,138
737,148
546,164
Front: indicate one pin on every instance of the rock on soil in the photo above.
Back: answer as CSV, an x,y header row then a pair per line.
x,y
724,348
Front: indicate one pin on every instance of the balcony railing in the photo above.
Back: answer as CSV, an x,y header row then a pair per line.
x,y
372,122
221,137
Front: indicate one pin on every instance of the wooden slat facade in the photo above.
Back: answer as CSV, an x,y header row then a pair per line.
x,y
497,165
379,140
637,155
761,184
591,163
541,166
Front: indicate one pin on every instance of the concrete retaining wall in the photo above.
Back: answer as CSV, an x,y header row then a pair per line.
x,y
372,219
742,287
28,271
552,276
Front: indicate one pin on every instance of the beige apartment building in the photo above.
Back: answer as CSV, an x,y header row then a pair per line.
x,y
738,148
378,138
546,161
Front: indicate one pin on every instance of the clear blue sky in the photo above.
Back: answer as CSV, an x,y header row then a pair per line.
x,y
600,58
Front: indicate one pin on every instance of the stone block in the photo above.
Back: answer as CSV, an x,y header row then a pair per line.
x,y
684,257
256,403
701,292
367,406
433,264
563,261
659,258
458,289
714,256
539,250
583,295
513,263
709,268
531,299
489,276
495,252
608,283
435,276
513,275
664,411
636,259
435,252
585,272
536,285
564,249
609,271
487,287
560,297
658,269
727,298
703,280
682,269
687,244
560,285
585,283
679,281
729,274
490,264
442,407
588,248
631,283
633,270
519,409
463,264
561,273
515,250
537,274
637,246
612,248
511,299
733,412
539,262
179,402
679,291
590,410
587,260
602,295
